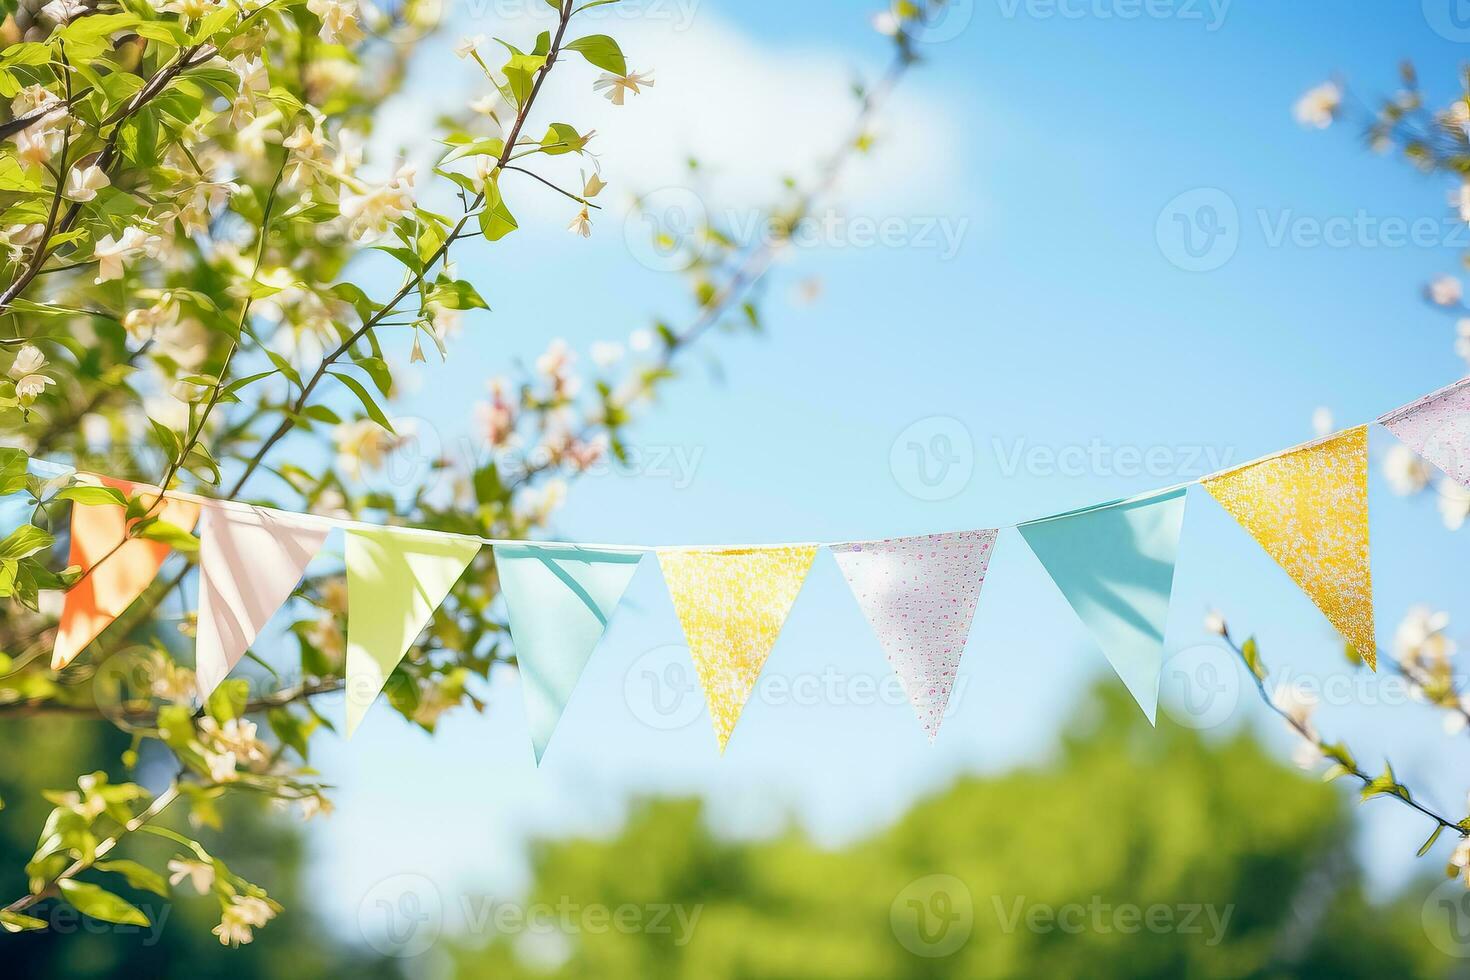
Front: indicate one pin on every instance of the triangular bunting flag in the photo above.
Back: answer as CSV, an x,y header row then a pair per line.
x,y
396,578
250,560
1437,427
115,568
732,604
1308,507
558,599
1114,563
919,595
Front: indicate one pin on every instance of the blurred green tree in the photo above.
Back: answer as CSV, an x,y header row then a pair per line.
x,y
1133,853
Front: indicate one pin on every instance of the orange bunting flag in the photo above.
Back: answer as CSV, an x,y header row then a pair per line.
x,y
115,568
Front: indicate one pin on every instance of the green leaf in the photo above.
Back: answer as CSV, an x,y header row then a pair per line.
x,y
1424,848
602,52
228,700
1252,656
101,904
141,878
15,922
457,295
170,534
520,73
12,470
92,496
562,138
25,541
1384,785
292,729
284,366
374,412
489,146
496,221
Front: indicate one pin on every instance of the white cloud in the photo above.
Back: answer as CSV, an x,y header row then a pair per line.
x,y
753,113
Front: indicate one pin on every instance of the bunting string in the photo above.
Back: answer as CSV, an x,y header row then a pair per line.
x,y
1113,563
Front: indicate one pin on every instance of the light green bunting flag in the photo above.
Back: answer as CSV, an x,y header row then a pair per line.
x,y
1114,563
396,578
558,599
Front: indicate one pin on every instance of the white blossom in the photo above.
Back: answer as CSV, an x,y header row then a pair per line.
x,y
1454,504
1405,472
582,223
113,254
339,21
199,873
1318,107
83,183
1445,291
616,87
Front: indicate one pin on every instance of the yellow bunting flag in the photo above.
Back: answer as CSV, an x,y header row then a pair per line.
x,y
732,604
1308,508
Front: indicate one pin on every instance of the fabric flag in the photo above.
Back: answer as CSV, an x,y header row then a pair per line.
x,y
116,569
919,595
1114,564
732,604
1308,507
250,560
396,578
1437,427
16,508
558,599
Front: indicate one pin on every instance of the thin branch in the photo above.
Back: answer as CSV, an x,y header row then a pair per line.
x,y
1316,740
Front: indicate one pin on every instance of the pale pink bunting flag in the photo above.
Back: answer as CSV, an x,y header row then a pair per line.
x,y
919,595
250,560
1437,427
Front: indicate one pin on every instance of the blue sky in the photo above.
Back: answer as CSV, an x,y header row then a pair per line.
x,y
1052,144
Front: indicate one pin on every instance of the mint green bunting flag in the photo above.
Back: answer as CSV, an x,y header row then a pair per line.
x,y
1114,563
558,599
396,578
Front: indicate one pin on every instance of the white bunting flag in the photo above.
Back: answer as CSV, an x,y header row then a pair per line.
x,y
919,595
250,560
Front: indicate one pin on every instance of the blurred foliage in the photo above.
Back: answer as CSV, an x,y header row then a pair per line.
x,y
177,942
1123,814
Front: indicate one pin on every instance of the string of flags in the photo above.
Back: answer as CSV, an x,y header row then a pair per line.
x,y
1113,562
